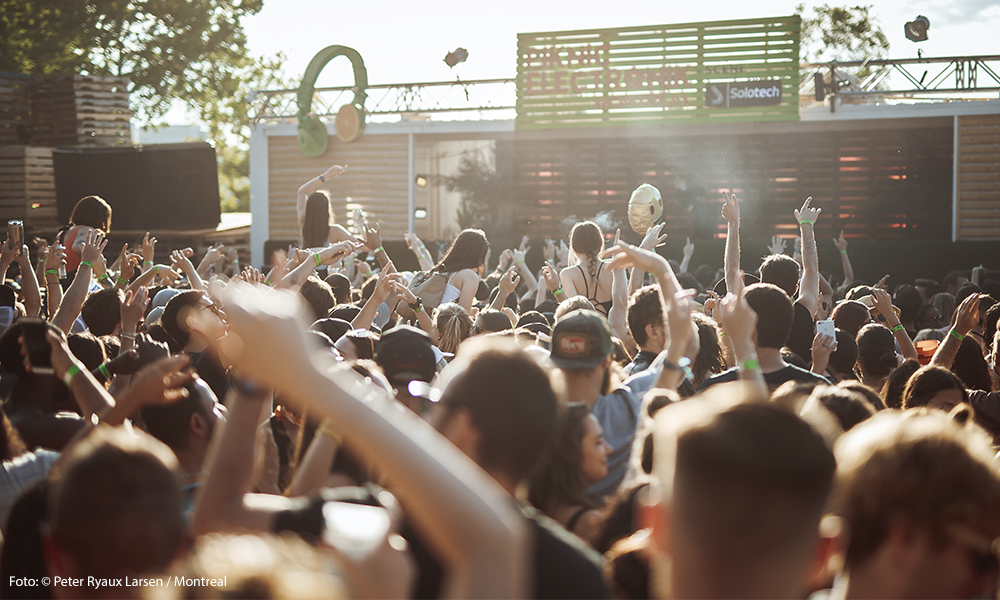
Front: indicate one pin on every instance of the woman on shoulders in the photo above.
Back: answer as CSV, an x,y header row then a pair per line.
x,y
316,219
587,277
578,458
89,214
463,264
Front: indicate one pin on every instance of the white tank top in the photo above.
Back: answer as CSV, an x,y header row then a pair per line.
x,y
451,293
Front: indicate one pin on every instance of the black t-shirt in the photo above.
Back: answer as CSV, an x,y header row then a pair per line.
x,y
642,361
565,567
800,339
209,367
772,379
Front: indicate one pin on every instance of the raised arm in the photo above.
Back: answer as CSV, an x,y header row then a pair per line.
x,y
883,303
75,295
845,261
417,247
324,256
383,287
966,318
688,253
731,213
311,186
650,241
464,513
619,305
809,287
506,286
29,284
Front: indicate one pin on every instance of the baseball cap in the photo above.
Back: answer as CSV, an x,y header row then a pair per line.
x,y
163,296
580,340
405,353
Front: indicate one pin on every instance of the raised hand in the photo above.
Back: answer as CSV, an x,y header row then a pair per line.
x,y
133,308
551,278
840,242
93,245
524,247
807,214
967,314
180,261
148,249
508,283
777,245
549,251
739,322
373,239
333,171
881,283
730,209
563,252
688,249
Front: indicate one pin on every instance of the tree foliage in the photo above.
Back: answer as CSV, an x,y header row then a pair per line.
x,y
191,52
485,194
840,33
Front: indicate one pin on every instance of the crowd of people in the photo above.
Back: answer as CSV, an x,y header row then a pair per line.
x,y
599,422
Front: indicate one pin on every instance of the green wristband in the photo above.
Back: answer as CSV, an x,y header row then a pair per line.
x,y
897,328
122,280
103,277
319,261
804,221
558,291
266,282
843,252
958,336
379,249
52,271
103,368
71,372
750,364
86,263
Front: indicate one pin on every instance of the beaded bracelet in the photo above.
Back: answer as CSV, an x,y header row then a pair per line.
x,y
71,372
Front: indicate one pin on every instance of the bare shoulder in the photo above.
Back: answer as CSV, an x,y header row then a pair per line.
x,y
339,234
588,526
465,277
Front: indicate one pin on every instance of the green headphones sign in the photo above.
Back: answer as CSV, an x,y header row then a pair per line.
x,y
350,121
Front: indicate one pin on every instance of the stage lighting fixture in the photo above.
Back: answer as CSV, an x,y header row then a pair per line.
x,y
453,58
420,213
916,30
421,181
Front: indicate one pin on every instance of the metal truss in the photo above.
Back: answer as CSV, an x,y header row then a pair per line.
x,y
919,76
474,96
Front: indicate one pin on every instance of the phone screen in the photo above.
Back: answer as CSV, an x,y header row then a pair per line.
x,y
34,331
354,528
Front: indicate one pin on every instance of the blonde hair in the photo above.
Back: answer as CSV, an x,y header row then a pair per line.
x,y
453,325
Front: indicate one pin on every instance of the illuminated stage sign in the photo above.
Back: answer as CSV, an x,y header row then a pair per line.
x,y
659,74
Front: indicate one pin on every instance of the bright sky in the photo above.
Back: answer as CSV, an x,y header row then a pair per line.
x,y
406,41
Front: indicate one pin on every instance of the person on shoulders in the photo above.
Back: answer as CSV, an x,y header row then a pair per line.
x,y
315,213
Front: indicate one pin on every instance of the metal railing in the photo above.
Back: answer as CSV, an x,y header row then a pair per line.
x,y
916,76
474,97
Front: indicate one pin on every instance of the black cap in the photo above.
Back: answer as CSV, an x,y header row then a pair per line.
x,y
580,340
405,353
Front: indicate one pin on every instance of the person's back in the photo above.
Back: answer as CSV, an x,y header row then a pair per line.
x,y
499,408
744,488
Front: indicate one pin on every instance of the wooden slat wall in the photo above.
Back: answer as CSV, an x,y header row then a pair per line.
x,y
653,74
71,110
376,182
889,183
979,178
28,188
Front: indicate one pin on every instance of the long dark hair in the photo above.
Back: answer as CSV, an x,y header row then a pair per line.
x,y
318,217
92,211
587,241
468,251
559,478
